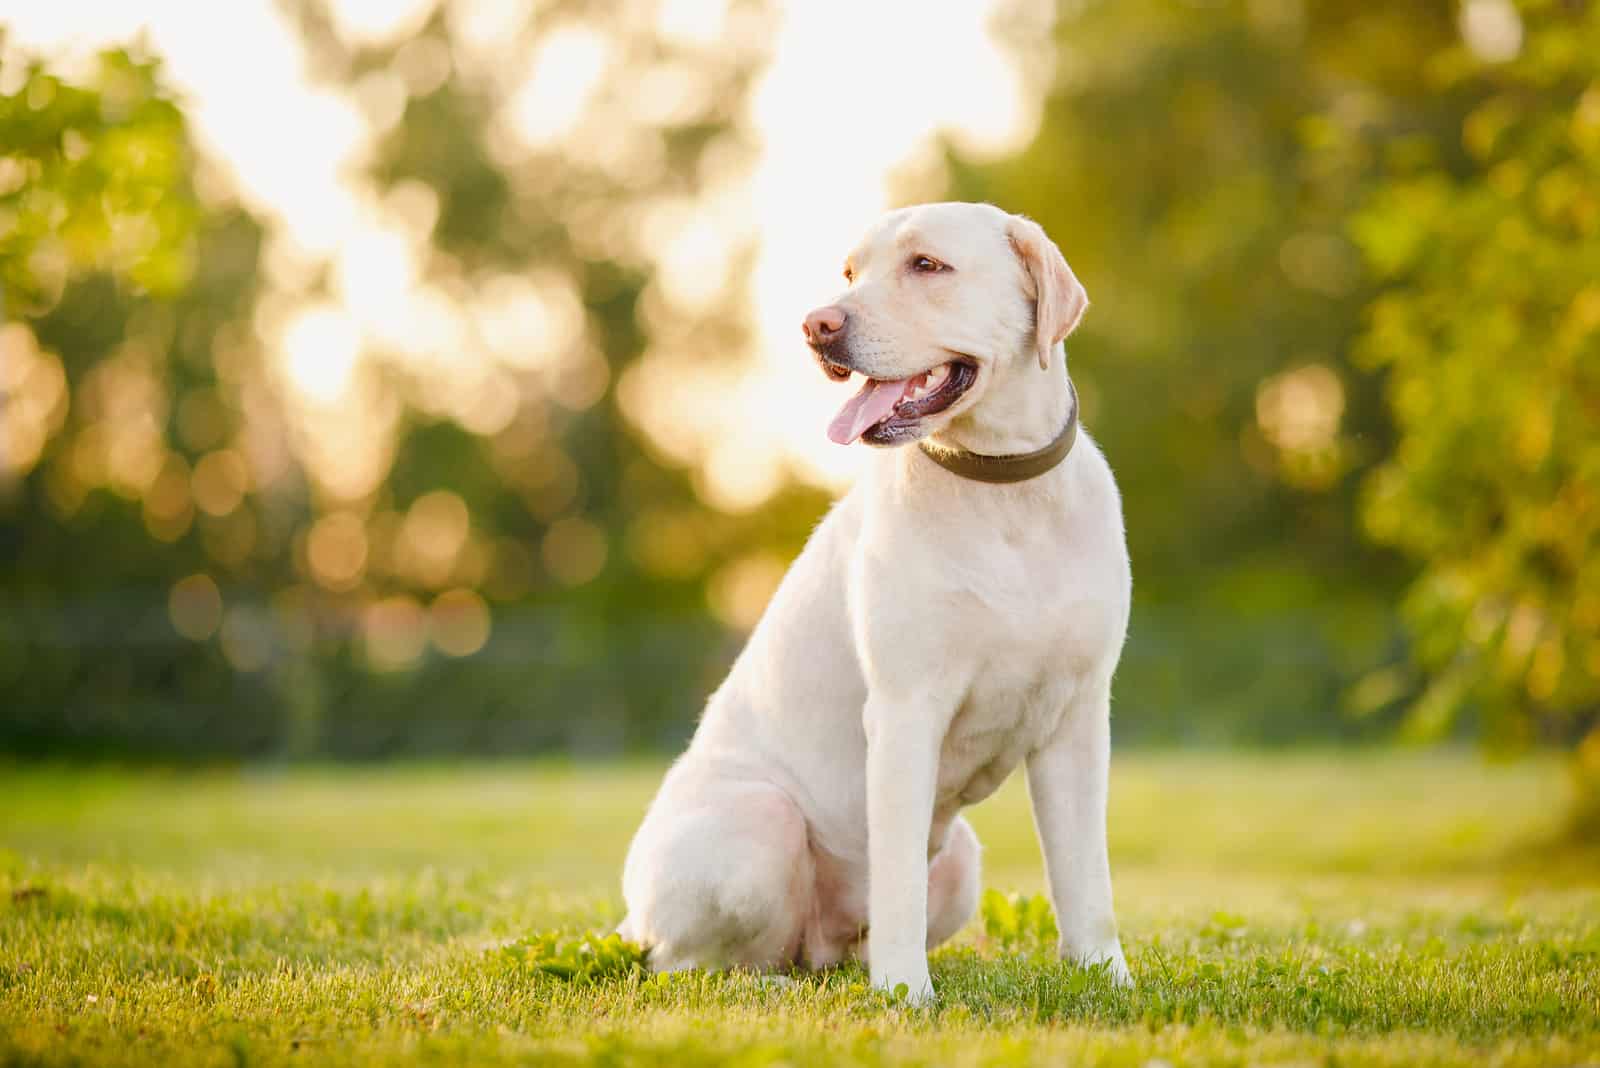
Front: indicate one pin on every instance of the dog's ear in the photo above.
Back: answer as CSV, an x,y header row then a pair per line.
x,y
1059,298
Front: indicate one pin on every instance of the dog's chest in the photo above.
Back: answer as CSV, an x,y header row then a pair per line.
x,y
1021,600
1006,715
1017,628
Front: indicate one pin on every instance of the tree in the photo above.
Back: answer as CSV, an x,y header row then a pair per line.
x,y
109,406
94,178
342,539
1487,334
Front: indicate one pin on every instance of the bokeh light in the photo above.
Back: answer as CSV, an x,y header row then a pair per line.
x,y
396,632
574,550
292,145
195,607
458,622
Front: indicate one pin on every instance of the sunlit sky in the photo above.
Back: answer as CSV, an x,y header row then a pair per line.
x,y
846,109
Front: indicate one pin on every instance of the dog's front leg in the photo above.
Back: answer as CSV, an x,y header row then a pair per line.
x,y
1067,781
902,769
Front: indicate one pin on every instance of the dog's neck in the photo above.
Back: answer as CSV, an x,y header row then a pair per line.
x,y
1023,410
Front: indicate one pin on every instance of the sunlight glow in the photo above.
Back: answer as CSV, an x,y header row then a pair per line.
x,y
832,146
1492,29
321,347
839,121
374,23
562,75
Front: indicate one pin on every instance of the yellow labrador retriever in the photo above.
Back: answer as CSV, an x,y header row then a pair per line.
x,y
958,614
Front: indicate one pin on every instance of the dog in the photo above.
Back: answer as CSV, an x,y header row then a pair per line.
x,y
958,614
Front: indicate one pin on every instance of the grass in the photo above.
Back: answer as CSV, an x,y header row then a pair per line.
x,y
1382,909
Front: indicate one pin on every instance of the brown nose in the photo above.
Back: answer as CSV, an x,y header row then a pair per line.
x,y
823,325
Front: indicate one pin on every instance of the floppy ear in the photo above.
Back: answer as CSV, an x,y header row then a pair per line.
x,y
1059,298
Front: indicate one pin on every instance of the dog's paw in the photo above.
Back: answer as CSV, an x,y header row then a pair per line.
x,y
1119,973
1109,958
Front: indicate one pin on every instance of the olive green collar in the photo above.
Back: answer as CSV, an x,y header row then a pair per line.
x,y
1017,467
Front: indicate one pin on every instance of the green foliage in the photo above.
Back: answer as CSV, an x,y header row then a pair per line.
x,y
116,351
93,177
1487,333
586,958
379,916
1017,922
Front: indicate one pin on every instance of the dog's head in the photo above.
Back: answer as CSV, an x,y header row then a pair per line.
x,y
943,300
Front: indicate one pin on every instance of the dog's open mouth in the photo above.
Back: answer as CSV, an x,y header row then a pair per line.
x,y
887,411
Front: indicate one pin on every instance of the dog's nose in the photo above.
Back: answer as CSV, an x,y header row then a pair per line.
x,y
823,325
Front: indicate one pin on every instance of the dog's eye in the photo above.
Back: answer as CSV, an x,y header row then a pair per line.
x,y
926,265
849,273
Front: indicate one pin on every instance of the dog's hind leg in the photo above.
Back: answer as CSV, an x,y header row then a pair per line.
x,y
722,879
955,879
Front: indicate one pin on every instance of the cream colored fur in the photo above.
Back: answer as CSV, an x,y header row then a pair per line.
x,y
934,635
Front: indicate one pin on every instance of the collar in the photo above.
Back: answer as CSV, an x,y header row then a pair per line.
x,y
1017,467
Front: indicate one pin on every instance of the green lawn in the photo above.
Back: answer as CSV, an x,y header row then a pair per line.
x,y
1277,909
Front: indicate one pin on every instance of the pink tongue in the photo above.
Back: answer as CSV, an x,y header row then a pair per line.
x,y
875,401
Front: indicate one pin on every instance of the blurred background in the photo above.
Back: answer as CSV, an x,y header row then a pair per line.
x,y
424,377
